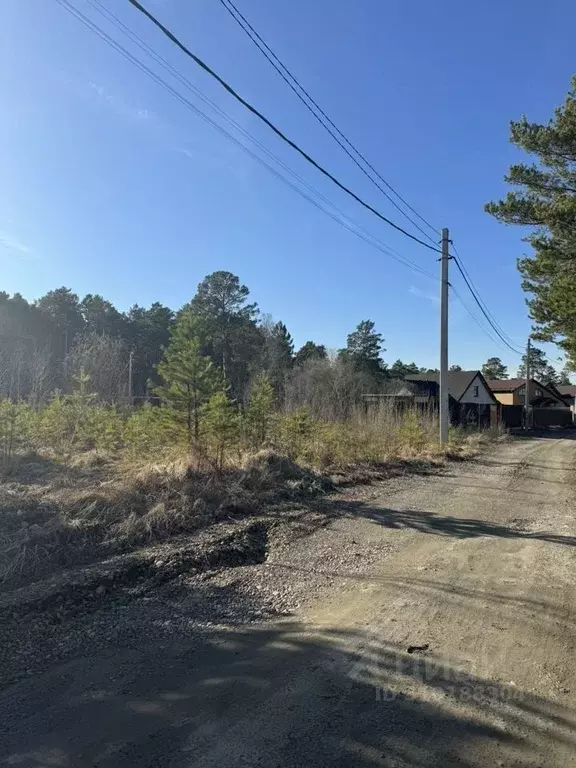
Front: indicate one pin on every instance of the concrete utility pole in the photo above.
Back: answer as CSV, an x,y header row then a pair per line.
x,y
527,393
130,368
444,404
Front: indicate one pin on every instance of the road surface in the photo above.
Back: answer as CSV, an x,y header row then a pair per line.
x,y
456,649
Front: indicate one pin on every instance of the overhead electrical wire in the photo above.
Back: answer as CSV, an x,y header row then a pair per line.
x,y
491,316
493,339
339,217
479,303
313,107
273,127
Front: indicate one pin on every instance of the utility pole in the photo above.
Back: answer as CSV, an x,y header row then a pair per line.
x,y
130,368
527,386
444,403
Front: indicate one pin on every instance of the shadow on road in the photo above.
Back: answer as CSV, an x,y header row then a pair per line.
x,y
441,525
558,433
274,696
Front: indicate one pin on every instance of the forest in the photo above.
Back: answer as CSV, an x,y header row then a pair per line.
x,y
47,344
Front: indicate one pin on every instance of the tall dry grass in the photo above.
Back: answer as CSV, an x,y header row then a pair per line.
x,y
83,481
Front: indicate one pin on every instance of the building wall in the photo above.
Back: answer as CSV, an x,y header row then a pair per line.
x,y
484,396
517,396
506,398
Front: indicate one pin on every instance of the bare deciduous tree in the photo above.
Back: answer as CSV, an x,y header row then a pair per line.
x,y
105,360
332,389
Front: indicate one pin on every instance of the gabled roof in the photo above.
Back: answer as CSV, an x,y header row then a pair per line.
x,y
458,381
510,385
505,385
567,390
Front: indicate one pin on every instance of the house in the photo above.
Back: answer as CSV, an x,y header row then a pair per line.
x,y
513,391
568,393
470,398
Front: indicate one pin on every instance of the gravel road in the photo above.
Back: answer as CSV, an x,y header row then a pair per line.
x,y
429,622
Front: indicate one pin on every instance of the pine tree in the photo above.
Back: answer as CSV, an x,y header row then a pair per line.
x,y
189,378
363,348
564,377
400,370
278,355
544,197
102,317
494,368
232,338
147,335
260,412
222,424
540,368
310,351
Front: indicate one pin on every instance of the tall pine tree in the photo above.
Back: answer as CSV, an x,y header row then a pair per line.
x,y
229,329
494,368
544,197
363,348
189,378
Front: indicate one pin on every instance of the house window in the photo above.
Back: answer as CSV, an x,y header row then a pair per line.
x,y
522,391
538,392
476,391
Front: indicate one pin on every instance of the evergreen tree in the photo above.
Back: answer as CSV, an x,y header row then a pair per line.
x,y
540,368
363,348
232,338
61,306
101,317
222,423
494,368
545,198
260,412
188,377
278,357
455,368
400,370
310,351
147,335
564,377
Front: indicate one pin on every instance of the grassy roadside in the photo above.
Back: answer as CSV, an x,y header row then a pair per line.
x,y
65,505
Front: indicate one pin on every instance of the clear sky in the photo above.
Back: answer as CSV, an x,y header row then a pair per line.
x,y
109,185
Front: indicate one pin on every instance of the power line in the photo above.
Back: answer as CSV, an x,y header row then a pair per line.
x,y
497,325
476,299
341,219
492,338
272,127
313,107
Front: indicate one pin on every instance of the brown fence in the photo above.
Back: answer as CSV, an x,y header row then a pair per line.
x,y
511,416
552,417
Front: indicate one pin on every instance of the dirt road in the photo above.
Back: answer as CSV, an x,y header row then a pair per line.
x,y
453,647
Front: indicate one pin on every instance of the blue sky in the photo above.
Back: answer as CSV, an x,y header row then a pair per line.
x,y
110,185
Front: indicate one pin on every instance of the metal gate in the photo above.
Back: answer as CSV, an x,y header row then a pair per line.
x,y
551,417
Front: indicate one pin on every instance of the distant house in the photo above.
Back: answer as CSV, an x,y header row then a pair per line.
x,y
470,400
513,391
568,393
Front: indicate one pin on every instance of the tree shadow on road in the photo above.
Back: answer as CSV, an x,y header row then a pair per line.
x,y
273,695
441,525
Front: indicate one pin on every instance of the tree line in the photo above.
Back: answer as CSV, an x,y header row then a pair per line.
x,y
219,340
46,345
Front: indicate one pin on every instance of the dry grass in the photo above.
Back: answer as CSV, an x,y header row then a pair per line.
x,y
63,510
58,514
